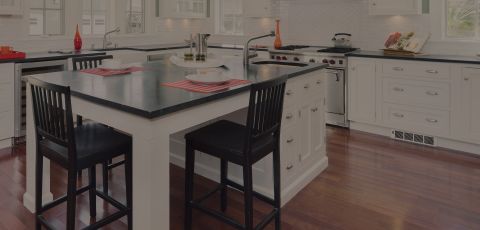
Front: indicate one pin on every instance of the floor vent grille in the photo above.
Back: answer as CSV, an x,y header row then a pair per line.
x,y
413,138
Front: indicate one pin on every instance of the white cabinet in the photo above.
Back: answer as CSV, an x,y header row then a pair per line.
x,y
469,104
394,7
257,8
361,90
7,75
11,7
182,8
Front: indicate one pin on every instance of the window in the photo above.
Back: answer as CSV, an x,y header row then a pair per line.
x,y
462,19
94,16
135,16
230,17
47,17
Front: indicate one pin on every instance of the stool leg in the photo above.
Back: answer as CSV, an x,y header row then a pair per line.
x,y
223,181
276,186
248,196
93,188
129,184
105,177
38,189
189,174
71,198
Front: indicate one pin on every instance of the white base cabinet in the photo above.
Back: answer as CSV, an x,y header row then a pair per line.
x,y
7,75
426,98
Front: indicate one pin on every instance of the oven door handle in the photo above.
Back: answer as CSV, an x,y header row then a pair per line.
x,y
336,74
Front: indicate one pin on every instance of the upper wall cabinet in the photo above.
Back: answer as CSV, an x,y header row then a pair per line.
x,y
11,7
396,7
182,8
258,8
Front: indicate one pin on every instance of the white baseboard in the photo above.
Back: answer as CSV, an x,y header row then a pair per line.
x,y
441,141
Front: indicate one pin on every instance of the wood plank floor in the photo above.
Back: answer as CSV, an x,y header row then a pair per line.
x,y
372,183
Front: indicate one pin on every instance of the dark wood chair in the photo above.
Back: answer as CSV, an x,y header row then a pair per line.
x,y
90,62
241,145
75,148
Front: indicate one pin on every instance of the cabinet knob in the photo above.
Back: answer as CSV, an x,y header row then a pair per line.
x,y
397,68
306,86
466,79
290,140
289,116
432,93
314,109
290,166
399,115
432,71
319,82
432,120
374,3
289,92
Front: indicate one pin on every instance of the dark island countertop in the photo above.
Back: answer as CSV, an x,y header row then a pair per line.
x,y
142,94
430,57
160,47
46,56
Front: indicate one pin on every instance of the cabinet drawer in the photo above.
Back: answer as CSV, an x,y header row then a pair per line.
x,y
6,122
291,93
419,69
411,92
433,122
6,97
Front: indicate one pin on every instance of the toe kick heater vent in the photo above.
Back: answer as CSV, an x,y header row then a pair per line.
x,y
413,138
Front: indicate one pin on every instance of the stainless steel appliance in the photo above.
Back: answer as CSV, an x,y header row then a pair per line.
x,y
336,82
26,69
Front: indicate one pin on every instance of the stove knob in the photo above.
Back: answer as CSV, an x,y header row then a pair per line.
x,y
279,58
273,56
312,60
284,58
332,62
340,62
325,61
296,59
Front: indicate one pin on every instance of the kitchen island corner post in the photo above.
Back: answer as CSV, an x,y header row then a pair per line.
x,y
31,154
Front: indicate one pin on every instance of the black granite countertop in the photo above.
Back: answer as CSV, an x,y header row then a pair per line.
x,y
430,57
159,47
142,94
46,56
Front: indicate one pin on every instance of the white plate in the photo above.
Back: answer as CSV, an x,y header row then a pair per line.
x,y
209,63
118,68
207,79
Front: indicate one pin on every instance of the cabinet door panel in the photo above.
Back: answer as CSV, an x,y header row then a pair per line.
x,y
317,127
288,150
304,129
361,90
470,103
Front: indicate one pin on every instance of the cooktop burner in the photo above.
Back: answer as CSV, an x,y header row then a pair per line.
x,y
293,47
337,50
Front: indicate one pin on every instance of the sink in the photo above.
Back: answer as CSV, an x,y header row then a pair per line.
x,y
280,63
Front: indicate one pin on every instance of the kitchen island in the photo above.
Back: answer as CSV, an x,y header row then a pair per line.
x,y
137,104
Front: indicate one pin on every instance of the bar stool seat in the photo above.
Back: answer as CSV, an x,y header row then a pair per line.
x,y
226,140
95,143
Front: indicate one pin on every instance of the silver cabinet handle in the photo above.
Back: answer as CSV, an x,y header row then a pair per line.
x,y
290,166
398,89
306,86
432,93
399,115
314,109
466,79
432,71
289,92
432,120
289,116
290,140
397,68
319,82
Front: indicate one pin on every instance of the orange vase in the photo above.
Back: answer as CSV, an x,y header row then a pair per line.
x,y
77,41
278,40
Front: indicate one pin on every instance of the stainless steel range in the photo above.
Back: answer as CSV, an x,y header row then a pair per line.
x,y
336,82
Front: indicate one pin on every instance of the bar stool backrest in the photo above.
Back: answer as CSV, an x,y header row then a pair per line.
x,y
90,62
264,112
52,112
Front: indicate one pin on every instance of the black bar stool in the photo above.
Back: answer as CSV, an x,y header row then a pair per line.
x,y
75,148
241,145
90,62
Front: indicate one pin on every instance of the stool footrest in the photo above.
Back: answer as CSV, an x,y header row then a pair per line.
x,y
217,215
110,200
255,194
114,165
107,220
61,199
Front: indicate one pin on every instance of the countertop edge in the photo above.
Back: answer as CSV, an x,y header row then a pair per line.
x,y
430,58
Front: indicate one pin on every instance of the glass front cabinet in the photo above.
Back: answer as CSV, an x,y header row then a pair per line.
x,y
11,7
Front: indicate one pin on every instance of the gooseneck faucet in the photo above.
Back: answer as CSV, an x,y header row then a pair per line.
x,y
246,50
105,42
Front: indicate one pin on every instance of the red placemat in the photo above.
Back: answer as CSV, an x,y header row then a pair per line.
x,y
188,85
13,55
106,73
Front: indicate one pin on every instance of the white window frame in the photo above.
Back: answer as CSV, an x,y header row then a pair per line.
x,y
92,21
128,17
444,23
219,20
44,10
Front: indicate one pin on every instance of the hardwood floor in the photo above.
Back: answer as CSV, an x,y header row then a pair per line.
x,y
372,183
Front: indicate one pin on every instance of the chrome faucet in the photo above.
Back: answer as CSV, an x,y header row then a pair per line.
x,y
246,49
106,43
